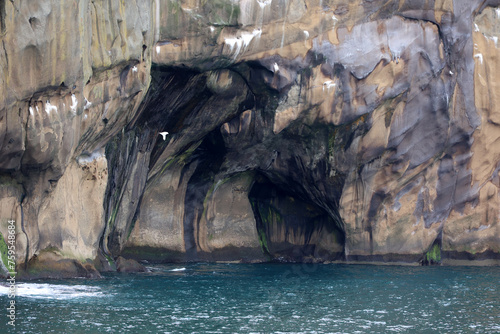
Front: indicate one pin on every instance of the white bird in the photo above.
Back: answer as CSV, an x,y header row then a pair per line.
x,y
164,134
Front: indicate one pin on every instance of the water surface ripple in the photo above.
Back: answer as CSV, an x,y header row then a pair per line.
x,y
265,298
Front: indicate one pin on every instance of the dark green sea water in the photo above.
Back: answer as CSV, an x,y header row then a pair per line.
x,y
265,298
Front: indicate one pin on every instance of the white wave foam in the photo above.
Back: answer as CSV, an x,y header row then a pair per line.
x,y
178,269
53,291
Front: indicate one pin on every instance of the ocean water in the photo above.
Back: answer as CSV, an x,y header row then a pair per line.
x,y
265,298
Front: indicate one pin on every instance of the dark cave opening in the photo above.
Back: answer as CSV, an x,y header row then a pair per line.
x,y
291,228
208,157
168,103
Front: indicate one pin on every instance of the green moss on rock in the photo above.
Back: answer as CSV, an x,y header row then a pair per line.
x,y
263,242
269,214
4,252
182,158
433,256
110,260
221,12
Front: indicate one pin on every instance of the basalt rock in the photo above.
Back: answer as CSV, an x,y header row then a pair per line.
x,y
298,130
128,265
51,264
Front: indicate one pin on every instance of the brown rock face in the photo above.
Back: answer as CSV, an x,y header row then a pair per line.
x,y
298,130
72,75
476,229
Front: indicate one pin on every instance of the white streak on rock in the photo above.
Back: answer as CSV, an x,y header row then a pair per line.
x,y
234,42
157,32
395,56
306,33
494,39
240,43
212,28
49,108
247,38
85,159
31,111
158,49
328,84
134,69
88,104
480,57
74,103
264,3
276,68
284,24
476,28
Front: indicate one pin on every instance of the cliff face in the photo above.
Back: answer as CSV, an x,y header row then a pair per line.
x,y
300,130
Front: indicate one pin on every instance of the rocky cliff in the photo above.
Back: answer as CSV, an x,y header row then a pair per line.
x,y
298,130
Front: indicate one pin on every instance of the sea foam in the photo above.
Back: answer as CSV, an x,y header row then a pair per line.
x,y
53,291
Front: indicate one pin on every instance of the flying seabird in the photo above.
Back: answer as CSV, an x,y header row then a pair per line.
x,y
164,134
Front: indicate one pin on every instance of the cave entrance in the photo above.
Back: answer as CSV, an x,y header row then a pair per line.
x,y
293,229
210,155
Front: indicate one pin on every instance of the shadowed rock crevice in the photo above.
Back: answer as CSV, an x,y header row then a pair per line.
x,y
128,156
293,229
179,170
433,255
209,156
132,153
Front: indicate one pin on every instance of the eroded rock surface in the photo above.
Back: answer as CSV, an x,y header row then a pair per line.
x,y
299,130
